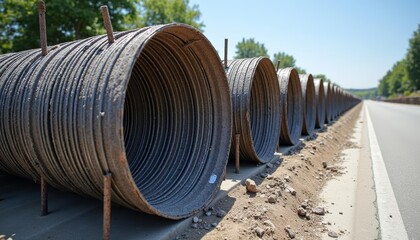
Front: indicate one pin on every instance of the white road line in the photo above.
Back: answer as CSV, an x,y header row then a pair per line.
x,y
390,221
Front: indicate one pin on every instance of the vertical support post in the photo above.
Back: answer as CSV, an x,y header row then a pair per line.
x,y
107,23
107,206
278,65
237,138
44,197
42,27
226,54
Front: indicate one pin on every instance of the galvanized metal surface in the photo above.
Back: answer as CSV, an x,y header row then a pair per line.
x,y
328,103
292,105
256,107
319,103
153,108
309,103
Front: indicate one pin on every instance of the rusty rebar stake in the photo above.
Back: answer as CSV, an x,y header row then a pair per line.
x,y
226,54
237,138
107,206
42,27
278,65
44,197
107,23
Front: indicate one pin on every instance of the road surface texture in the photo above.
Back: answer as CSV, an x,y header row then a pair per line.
x,y
397,128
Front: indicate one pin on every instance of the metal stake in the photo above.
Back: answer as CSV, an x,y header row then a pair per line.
x,y
42,27
226,54
237,137
107,206
278,65
44,197
107,23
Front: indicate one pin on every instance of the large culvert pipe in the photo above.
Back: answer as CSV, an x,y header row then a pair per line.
x,y
328,103
153,108
309,108
334,91
292,113
320,103
256,107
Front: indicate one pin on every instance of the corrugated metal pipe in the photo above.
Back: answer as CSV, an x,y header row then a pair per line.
x,y
309,103
256,107
292,104
320,103
328,103
153,108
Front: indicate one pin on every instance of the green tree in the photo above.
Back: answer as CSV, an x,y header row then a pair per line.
x,y
383,88
413,60
168,11
66,21
285,59
250,48
398,80
70,20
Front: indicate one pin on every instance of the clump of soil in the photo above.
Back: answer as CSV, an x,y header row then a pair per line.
x,y
286,204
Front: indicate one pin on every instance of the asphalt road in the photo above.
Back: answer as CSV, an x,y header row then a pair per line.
x,y
397,128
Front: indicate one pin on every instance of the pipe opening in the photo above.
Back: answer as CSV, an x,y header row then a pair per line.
x,y
168,125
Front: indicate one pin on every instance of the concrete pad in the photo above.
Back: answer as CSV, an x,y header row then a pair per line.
x,y
72,216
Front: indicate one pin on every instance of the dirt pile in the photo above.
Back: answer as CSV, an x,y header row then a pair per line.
x,y
284,203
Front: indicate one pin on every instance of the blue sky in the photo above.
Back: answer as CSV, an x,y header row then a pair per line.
x,y
353,42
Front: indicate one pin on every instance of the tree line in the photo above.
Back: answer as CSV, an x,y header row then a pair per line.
x,y
403,79
250,48
78,19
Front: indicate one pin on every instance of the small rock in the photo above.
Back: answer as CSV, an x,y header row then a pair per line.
x,y
214,224
324,164
272,198
304,204
290,232
332,234
251,186
341,231
2,237
220,213
308,217
270,224
195,219
301,155
287,178
312,152
269,165
208,214
341,213
195,226
263,175
269,177
319,210
259,231
301,212
207,227
291,190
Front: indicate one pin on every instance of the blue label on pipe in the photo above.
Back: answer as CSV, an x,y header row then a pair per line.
x,y
212,179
